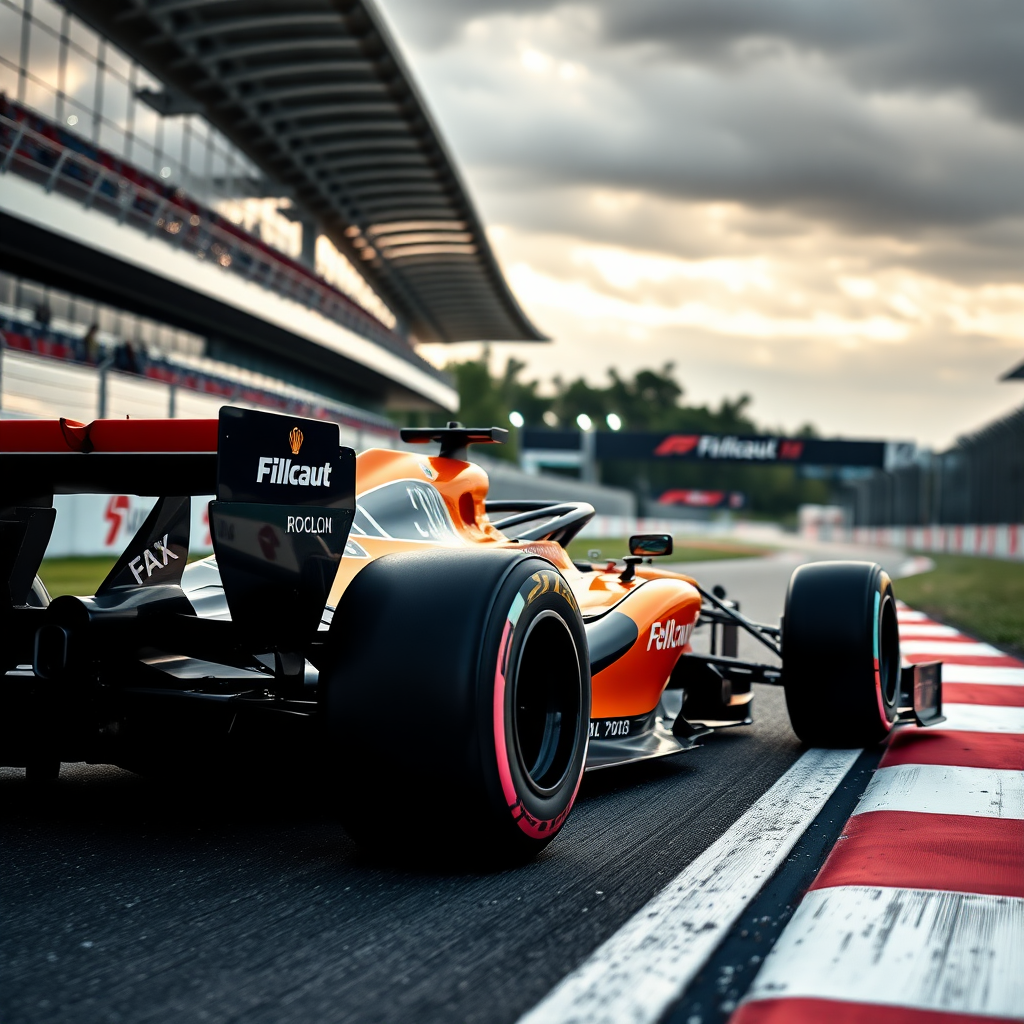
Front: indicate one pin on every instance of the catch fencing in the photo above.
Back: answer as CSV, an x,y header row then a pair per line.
x,y
978,483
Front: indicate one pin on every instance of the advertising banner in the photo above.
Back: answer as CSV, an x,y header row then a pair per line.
x,y
750,449
760,449
102,524
693,498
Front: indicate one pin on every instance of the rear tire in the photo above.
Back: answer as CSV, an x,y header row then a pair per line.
x,y
841,654
457,704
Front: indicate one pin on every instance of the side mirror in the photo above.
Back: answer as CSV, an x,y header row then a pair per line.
x,y
645,544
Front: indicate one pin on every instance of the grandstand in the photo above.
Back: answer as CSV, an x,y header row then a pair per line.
x,y
228,201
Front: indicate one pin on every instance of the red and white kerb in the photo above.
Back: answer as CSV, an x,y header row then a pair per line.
x,y
917,916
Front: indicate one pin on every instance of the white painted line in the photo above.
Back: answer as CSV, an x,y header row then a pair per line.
x,y
945,789
916,630
940,647
645,965
997,675
942,951
982,718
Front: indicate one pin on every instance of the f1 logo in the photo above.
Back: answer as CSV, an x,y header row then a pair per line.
x,y
678,444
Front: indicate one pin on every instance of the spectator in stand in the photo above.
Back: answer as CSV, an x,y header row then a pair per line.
x,y
92,345
124,358
43,315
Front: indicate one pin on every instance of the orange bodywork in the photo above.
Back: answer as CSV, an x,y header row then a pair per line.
x,y
663,605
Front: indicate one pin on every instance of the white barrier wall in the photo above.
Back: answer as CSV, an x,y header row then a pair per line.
x,y
624,526
1001,541
102,524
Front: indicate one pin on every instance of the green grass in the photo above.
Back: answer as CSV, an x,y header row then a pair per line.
x,y
687,549
984,596
74,575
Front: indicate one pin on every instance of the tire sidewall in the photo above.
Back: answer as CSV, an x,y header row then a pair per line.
x,y
408,693
885,605
532,588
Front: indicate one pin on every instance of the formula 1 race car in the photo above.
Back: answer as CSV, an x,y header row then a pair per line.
x,y
433,657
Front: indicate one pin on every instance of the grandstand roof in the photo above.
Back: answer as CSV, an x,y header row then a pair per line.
x,y
317,95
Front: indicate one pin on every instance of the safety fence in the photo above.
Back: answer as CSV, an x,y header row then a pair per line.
x,y
979,481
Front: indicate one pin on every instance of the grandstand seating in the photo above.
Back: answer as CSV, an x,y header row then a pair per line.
x,y
62,161
20,334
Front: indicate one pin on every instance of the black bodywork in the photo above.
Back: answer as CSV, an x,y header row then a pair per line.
x,y
199,661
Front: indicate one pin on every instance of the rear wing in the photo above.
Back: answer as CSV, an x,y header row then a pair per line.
x,y
41,458
285,501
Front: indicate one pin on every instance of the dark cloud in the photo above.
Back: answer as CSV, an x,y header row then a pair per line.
x,y
897,118
923,45
919,45
835,111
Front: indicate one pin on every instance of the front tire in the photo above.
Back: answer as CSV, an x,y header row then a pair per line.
x,y
841,654
457,703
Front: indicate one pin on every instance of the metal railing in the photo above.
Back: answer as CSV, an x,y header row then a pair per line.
x,y
188,226
47,343
979,481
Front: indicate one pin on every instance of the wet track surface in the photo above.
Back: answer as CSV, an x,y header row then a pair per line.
x,y
126,900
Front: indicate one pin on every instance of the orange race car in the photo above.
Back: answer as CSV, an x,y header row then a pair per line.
x,y
434,657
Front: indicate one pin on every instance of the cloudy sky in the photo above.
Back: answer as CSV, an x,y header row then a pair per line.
x,y
819,204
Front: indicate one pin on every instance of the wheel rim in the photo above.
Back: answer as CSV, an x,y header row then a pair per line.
x,y
889,652
547,703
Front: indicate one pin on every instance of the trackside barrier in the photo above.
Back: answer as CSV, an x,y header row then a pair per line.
x,y
102,524
624,526
1005,540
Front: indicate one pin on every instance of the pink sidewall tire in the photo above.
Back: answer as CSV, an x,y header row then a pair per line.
x,y
456,705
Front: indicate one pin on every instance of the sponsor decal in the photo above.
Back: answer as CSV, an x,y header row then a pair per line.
x,y
403,510
604,728
745,449
263,457
712,447
319,525
273,470
152,561
549,582
666,635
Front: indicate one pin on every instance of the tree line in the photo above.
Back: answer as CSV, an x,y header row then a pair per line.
x,y
649,400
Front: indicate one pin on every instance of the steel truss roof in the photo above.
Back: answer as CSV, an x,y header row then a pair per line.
x,y
316,94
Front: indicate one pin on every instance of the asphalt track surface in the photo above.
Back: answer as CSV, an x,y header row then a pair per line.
x,y
127,900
